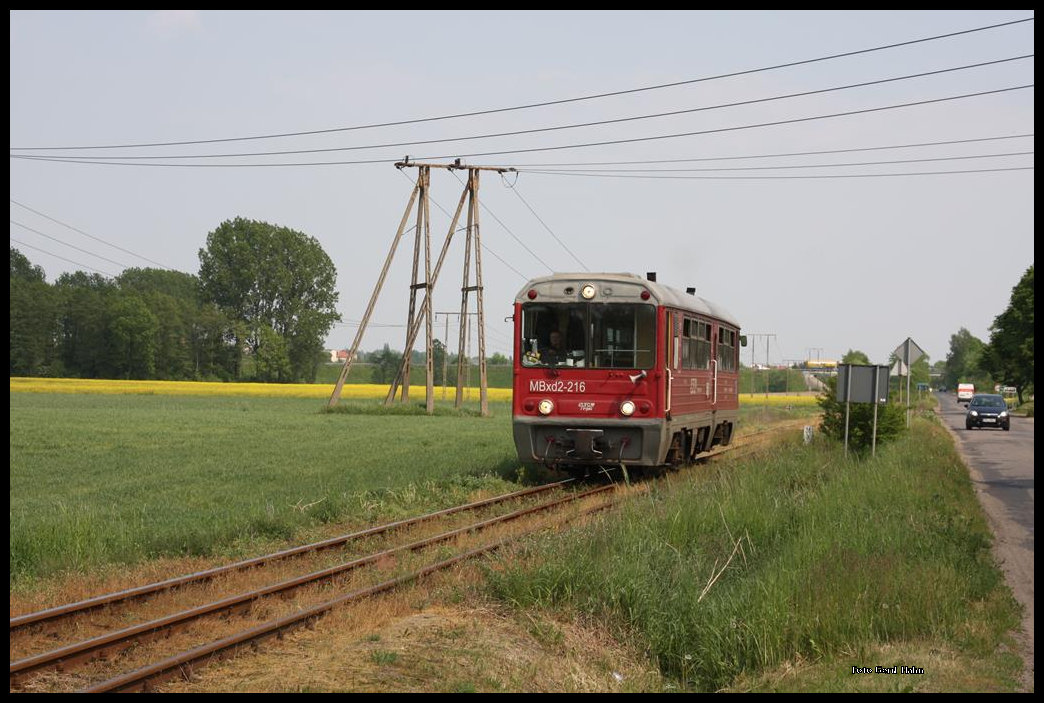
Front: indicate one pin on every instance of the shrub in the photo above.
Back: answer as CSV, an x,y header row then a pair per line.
x,y
891,420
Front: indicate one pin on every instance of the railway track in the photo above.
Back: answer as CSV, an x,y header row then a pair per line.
x,y
155,649
136,638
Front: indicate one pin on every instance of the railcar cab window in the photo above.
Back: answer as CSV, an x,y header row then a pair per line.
x,y
591,335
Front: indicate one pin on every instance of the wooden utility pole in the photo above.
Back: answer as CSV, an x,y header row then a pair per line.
x,y
423,183
465,289
421,194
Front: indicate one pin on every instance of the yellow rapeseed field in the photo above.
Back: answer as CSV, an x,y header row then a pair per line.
x,y
777,399
299,390
263,390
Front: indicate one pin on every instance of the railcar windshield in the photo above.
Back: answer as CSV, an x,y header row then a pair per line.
x,y
588,335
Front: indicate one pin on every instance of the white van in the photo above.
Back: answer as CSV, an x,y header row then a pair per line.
x,y
965,391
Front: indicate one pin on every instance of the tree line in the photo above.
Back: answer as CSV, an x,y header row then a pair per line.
x,y
259,309
386,363
1006,358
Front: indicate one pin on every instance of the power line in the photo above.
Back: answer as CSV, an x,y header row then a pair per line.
x,y
739,178
764,168
772,156
71,246
356,323
91,236
514,189
508,230
484,247
539,130
635,140
545,103
77,263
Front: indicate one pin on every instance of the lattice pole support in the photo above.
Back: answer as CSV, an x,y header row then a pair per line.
x,y
335,397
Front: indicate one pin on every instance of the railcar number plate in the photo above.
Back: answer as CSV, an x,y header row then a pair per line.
x,y
539,386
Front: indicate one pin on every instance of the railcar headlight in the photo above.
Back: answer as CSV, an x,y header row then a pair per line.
x,y
587,292
627,408
545,406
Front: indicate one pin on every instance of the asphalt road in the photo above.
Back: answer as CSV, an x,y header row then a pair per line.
x,y
1001,465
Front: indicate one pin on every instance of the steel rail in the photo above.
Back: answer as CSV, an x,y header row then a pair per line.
x,y
184,664
87,650
95,602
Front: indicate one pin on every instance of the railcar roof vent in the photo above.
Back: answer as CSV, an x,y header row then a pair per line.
x,y
690,291
651,276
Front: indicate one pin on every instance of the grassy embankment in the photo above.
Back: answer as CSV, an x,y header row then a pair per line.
x,y
785,571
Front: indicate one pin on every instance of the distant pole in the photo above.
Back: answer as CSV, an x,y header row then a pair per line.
x,y
753,337
848,404
467,367
767,374
445,357
752,366
909,372
873,451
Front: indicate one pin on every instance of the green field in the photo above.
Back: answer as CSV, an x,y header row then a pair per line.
x,y
99,479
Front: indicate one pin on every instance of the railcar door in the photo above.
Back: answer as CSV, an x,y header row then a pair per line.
x,y
714,366
670,342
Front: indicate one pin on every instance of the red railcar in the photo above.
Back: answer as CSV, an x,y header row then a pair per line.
x,y
615,369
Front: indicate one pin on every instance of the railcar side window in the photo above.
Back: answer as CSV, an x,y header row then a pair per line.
x,y
726,349
687,332
703,346
695,344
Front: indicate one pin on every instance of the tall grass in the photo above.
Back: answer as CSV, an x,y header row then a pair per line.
x,y
98,479
801,554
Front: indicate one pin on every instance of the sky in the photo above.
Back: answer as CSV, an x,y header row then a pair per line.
x,y
917,223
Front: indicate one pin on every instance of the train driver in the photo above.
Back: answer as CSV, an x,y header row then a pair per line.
x,y
554,352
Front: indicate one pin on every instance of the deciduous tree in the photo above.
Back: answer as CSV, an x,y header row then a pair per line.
x,y
33,319
1009,355
266,276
